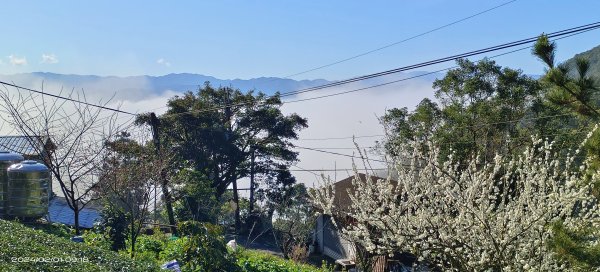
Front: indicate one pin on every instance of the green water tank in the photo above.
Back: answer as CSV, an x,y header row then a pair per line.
x,y
28,189
6,160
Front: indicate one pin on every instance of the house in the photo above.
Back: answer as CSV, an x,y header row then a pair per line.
x,y
328,238
330,241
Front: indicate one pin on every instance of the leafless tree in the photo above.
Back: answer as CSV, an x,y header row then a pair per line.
x,y
70,134
130,183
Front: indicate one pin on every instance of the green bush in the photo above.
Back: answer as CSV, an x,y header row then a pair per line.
x,y
56,229
257,261
26,249
96,239
152,244
204,249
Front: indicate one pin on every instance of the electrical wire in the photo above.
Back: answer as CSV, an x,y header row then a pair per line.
x,y
399,42
66,98
563,33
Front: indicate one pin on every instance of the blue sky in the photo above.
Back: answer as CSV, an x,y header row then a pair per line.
x,y
247,39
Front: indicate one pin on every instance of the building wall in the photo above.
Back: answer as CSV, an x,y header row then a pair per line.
x,y
330,241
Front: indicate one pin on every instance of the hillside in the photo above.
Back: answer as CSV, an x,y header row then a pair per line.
x,y
593,55
26,249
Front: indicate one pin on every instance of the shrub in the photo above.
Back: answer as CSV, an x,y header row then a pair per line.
x,y
299,253
151,244
114,223
56,229
97,239
257,261
204,249
21,248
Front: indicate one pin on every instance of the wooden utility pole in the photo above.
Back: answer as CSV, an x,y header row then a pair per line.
x,y
251,182
163,175
228,133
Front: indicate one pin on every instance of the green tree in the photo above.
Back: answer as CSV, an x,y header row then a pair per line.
x,y
475,101
196,199
217,130
577,92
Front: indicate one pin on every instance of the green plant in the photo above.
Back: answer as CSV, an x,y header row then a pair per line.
x,y
114,223
26,249
56,229
257,261
151,244
205,249
97,239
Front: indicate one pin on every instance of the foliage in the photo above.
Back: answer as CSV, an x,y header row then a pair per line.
x,y
257,261
153,244
55,229
219,142
487,216
574,86
580,93
579,248
128,185
294,221
97,239
203,248
18,242
224,137
470,96
196,199
114,223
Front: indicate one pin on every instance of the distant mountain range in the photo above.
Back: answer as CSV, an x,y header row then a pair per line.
x,y
142,87
153,85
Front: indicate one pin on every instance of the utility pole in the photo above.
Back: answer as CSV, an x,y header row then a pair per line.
x,y
163,175
236,198
251,181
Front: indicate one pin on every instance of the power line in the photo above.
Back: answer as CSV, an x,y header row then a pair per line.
x,y
330,170
563,33
472,126
446,143
399,42
339,154
340,138
66,98
341,148
446,59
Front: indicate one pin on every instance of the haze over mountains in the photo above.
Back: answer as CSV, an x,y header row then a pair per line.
x,y
135,87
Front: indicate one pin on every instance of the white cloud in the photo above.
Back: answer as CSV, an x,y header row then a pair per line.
x,y
164,62
49,58
14,60
353,114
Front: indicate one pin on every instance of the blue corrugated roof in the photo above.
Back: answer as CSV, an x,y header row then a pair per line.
x,y
21,144
60,212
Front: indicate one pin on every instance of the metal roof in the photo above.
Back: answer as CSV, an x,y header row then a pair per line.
x,y
21,144
60,212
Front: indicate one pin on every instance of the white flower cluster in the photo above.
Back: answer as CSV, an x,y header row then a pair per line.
x,y
469,217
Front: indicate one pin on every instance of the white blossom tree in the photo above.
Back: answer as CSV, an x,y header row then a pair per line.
x,y
475,217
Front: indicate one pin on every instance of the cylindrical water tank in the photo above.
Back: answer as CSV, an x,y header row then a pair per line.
x,y
28,190
6,160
